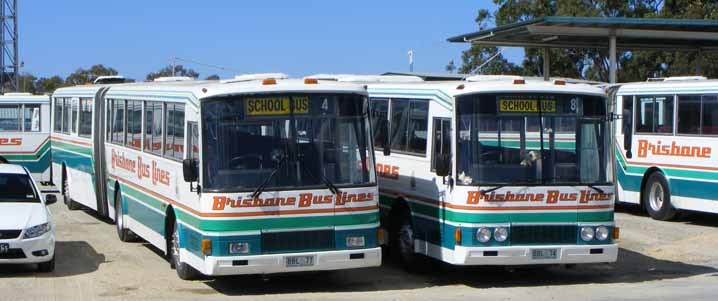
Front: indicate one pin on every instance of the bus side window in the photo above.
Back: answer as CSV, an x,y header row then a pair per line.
x,y
10,118
193,150
174,131
627,112
442,141
379,121
86,107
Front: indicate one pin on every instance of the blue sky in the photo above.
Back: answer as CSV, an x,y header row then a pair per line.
x,y
294,37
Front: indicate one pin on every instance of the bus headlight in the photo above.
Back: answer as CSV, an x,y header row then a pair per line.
x,y
483,235
501,234
355,241
587,233
602,233
238,247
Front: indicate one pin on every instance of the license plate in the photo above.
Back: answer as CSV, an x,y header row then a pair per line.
x,y
4,248
300,261
544,254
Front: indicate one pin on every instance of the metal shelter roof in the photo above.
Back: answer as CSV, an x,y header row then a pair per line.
x,y
430,76
599,32
592,32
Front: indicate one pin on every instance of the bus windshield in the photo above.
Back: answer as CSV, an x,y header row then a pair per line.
x,y
289,141
532,139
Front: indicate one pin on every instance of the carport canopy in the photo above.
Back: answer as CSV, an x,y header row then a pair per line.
x,y
601,33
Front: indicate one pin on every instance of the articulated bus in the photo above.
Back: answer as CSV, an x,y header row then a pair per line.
x,y
254,175
495,170
666,146
25,132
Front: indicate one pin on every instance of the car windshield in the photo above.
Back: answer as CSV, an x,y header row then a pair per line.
x,y
288,140
17,188
532,139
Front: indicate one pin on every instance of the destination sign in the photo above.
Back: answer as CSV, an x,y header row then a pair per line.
x,y
268,106
526,105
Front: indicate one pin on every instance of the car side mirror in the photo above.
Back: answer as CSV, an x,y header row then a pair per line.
x,y
628,133
443,165
190,170
50,199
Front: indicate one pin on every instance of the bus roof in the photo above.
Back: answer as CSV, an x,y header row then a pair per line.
x,y
12,98
670,86
200,89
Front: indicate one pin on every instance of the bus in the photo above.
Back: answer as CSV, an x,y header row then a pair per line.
x,y
495,170
258,174
665,146
25,132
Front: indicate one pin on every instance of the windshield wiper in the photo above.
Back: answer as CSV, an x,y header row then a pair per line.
x,y
485,191
333,188
257,192
599,190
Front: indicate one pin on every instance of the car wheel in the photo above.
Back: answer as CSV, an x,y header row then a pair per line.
x,y
184,270
46,267
657,198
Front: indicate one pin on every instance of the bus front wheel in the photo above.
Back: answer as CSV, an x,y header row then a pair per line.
x,y
184,270
657,198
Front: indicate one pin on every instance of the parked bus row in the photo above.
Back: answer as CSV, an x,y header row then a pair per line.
x,y
264,174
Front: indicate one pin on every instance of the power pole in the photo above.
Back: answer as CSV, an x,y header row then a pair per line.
x,y
8,37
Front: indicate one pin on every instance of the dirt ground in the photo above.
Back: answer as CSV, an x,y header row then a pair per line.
x,y
657,260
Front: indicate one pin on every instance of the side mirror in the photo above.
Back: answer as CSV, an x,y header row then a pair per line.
x,y
190,170
627,133
50,199
443,165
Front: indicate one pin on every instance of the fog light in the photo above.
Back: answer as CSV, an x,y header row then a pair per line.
x,y
40,253
587,233
602,233
238,247
355,241
501,234
483,235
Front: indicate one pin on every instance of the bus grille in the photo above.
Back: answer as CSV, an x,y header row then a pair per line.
x,y
274,242
9,234
544,234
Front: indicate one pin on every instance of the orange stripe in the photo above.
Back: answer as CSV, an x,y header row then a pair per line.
x,y
71,141
484,208
243,214
32,152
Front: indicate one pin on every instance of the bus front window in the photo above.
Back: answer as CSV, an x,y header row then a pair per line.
x,y
530,139
290,141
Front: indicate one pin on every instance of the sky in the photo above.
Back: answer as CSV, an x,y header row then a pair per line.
x,y
294,37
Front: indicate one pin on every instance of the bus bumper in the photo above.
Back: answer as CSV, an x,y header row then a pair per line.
x,y
276,263
523,255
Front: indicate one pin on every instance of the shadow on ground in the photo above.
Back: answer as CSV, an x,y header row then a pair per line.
x,y
683,216
632,267
72,258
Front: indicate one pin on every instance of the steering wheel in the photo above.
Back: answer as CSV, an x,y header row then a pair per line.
x,y
243,160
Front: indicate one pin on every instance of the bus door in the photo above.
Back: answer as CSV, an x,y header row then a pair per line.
x,y
441,162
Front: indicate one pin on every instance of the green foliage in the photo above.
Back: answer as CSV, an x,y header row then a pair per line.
x,y
592,63
48,85
84,76
213,77
179,70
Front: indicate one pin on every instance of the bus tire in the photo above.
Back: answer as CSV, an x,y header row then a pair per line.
x,y
71,205
124,234
657,198
184,270
403,242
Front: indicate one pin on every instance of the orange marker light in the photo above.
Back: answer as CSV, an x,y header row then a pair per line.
x,y
519,82
269,81
616,233
207,247
381,236
460,87
457,235
311,81
559,82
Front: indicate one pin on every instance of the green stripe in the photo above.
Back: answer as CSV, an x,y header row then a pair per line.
x,y
670,172
29,157
81,149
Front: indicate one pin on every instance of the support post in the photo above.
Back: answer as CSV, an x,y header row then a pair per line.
x,y
613,65
546,64
699,62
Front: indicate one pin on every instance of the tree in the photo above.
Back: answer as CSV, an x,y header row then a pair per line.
x,y
83,76
592,63
478,56
26,83
179,70
48,85
213,77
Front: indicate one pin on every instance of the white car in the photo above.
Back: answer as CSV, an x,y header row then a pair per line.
x,y
27,234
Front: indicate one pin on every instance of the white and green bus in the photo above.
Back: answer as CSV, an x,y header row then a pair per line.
x,y
665,151
254,175
494,170
25,132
